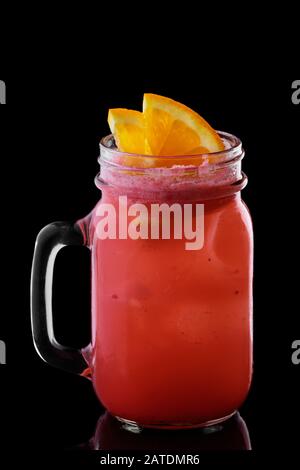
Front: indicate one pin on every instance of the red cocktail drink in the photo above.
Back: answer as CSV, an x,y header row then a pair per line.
x,y
172,327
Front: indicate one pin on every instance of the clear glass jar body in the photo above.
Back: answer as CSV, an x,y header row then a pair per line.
x,y
172,328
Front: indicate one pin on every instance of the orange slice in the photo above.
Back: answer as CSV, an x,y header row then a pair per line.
x,y
174,129
128,128
165,128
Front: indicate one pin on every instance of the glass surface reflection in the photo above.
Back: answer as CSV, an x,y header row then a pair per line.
x,y
111,435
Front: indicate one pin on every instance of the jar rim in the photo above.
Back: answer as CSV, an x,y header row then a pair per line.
x,y
211,176
233,151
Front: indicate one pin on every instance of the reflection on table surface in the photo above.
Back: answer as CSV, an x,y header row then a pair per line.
x,y
110,434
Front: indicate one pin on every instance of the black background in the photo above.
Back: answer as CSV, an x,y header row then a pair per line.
x,y
50,129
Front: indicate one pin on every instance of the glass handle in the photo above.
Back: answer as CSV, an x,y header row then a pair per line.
x,y
49,241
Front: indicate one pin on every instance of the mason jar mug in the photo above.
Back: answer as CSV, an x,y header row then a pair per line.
x,y
171,273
